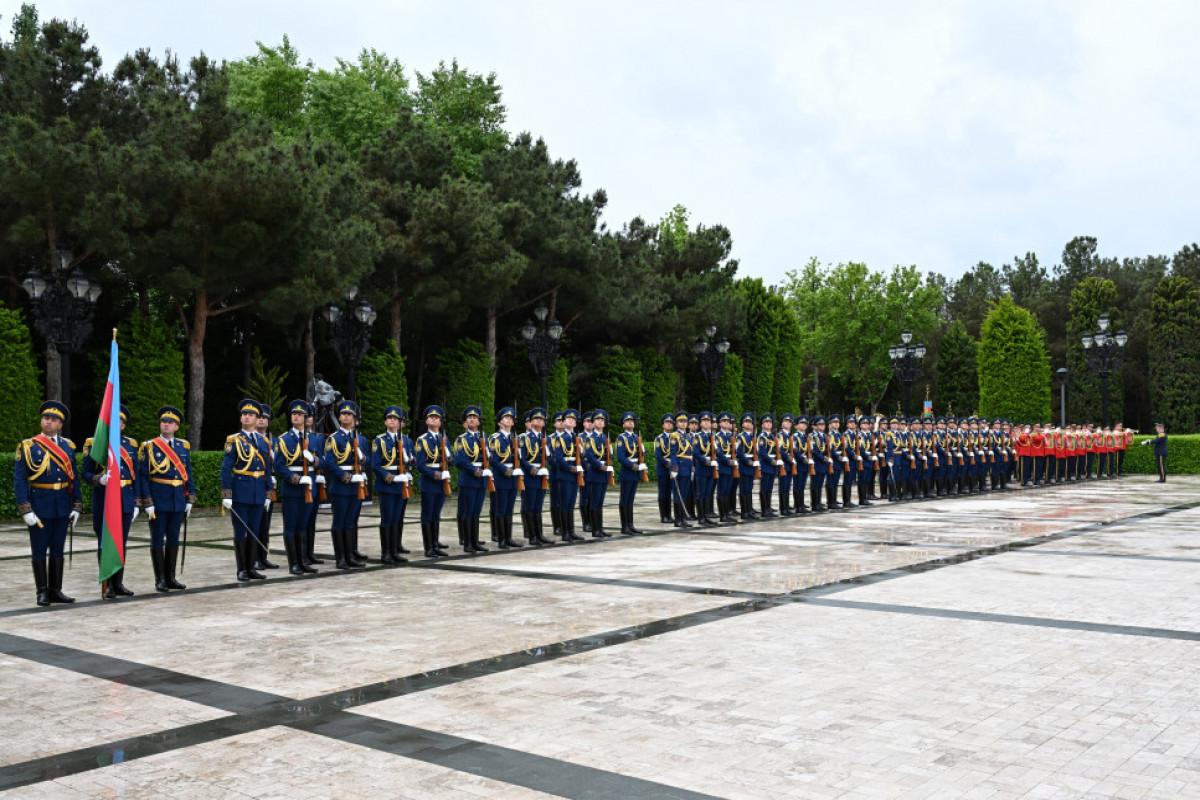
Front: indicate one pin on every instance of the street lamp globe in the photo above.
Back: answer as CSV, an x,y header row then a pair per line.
x,y
527,330
331,313
34,284
723,346
711,330
77,284
540,311
1122,338
699,347
920,351
555,330
1087,341
352,293
906,336
1104,321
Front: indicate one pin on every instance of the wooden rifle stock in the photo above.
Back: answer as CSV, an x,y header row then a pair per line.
x,y
612,480
737,471
304,460
812,467
578,460
758,469
545,478
362,487
491,484
712,455
642,460
442,449
405,492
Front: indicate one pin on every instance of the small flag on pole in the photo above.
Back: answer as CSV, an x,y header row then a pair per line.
x,y
106,451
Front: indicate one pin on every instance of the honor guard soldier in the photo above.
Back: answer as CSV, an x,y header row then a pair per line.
x,y
883,431
392,457
682,456
262,558
1160,450
818,456
789,466
954,450
800,454
708,472
1124,439
766,446
473,478
507,472
727,469
245,480
630,455
294,461
433,456
97,475
568,468
835,448
869,459
598,469
693,432
317,446
534,456
850,445
746,448
345,466
168,491
583,437
1024,442
556,527
47,493
1037,447
896,456
663,468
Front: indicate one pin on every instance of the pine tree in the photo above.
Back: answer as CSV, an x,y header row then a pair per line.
x,y
1014,367
381,382
1091,298
1175,358
958,371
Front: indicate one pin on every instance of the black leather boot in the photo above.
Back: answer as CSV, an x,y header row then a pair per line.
x,y
41,582
847,488
239,554
158,560
398,548
584,518
339,549
814,493
310,545
355,558
464,537
681,516
479,548
385,544
785,507
664,510
764,499
116,584
249,548
289,549
263,553
427,541
633,529
539,525
172,554
508,532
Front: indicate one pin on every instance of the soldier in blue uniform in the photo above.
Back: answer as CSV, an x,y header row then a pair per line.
x,y
345,465
262,547
556,527
245,481
693,432
567,467
818,450
747,455
472,480
97,475
317,447
535,463
850,445
47,491
895,457
391,459
433,456
583,436
506,466
835,449
767,449
800,456
726,460
881,437
293,462
707,470
868,444
597,469
1160,450
682,455
663,468
167,489
787,468
629,456
940,448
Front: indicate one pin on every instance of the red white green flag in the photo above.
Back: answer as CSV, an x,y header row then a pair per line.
x,y
106,451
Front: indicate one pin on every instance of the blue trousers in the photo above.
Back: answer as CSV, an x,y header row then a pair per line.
x,y
566,491
664,485
431,505
725,487
628,492
392,506
470,501
595,495
295,515
50,538
683,485
785,484
346,508
767,484
532,499
834,476
502,502
702,484
165,527
247,518
746,481
867,476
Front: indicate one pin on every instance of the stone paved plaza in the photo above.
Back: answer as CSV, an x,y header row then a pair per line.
x,y
1034,643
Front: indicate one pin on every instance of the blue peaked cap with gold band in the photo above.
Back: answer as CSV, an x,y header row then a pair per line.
x,y
248,406
348,407
298,407
53,408
170,413
395,411
507,411
536,413
433,411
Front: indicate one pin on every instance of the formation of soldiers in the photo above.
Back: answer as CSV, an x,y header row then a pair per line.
x,y
707,472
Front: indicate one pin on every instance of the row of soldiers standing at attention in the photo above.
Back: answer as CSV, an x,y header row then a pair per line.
x,y
707,472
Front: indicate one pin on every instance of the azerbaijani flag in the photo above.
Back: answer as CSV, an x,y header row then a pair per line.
x,y
106,450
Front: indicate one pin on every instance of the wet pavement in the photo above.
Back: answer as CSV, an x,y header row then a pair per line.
x,y
1035,643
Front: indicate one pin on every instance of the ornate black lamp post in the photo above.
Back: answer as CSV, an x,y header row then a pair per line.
x,y
906,365
542,340
1062,373
62,307
351,333
711,355
1104,354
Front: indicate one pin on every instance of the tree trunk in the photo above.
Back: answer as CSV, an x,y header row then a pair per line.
x,y
396,305
195,411
817,387
247,346
310,351
490,345
420,379
54,387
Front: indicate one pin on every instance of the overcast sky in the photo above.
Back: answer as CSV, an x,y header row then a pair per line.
x,y
931,133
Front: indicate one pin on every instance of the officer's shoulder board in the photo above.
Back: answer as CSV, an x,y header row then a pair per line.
x,y
229,441
132,443
87,443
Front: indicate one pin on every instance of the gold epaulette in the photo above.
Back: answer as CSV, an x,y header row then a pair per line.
x,y
186,444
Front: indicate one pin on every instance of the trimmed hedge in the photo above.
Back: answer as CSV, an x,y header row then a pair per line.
x,y
1183,455
22,380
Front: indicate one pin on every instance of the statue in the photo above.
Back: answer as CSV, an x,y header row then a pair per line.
x,y
324,399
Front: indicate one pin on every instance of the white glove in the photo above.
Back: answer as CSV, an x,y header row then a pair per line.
x,y
74,517
674,475
358,477
31,520
874,458
104,479
405,478
267,504
227,503
641,467
320,479
543,472
187,510
136,511
361,457
1147,441
408,459
579,469
845,459
518,473
755,464
446,475
608,469
305,480
309,457
487,473
779,463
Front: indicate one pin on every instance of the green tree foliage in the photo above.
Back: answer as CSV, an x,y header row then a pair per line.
x,y
22,381
522,389
266,386
789,365
728,392
1175,359
151,373
1091,298
617,384
1186,263
466,379
957,372
659,382
381,382
467,107
973,295
759,346
1014,367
